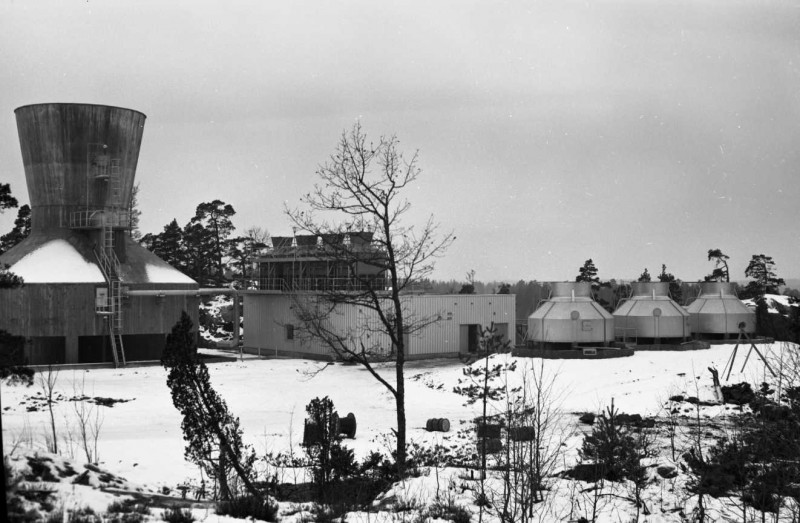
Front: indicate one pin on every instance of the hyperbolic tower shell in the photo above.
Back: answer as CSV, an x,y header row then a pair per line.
x,y
67,148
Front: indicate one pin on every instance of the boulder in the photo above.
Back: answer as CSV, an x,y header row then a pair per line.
x,y
667,470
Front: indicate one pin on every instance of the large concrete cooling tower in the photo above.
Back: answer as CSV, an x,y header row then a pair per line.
x,y
79,261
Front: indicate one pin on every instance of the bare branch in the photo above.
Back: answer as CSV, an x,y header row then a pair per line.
x,y
360,188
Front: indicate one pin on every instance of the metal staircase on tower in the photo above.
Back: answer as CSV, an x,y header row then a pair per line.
x,y
104,173
111,271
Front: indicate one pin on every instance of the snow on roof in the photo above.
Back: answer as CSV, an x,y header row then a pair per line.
x,y
162,274
57,262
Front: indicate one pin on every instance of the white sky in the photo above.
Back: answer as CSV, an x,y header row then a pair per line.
x,y
634,132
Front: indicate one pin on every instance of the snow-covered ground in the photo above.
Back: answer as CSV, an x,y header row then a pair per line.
x,y
772,299
141,438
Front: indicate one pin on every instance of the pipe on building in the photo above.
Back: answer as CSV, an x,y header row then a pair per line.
x,y
199,292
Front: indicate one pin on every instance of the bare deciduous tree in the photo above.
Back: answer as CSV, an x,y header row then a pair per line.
x,y
534,444
362,185
89,421
47,382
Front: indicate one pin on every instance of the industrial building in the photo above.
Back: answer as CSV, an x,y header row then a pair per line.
x,y
718,313
650,316
299,271
570,318
82,270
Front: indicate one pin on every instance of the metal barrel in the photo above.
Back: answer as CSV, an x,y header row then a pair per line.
x,y
437,425
313,433
487,430
523,433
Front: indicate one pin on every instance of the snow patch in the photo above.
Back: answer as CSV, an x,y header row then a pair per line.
x,y
269,395
57,262
161,274
772,300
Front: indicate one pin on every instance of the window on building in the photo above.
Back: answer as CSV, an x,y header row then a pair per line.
x,y
290,332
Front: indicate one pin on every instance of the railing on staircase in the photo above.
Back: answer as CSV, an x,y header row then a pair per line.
x,y
110,266
106,215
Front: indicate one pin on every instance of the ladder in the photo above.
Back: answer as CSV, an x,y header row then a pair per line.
x,y
114,195
118,349
111,270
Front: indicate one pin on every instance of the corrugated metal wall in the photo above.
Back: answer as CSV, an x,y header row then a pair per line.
x,y
56,316
448,336
266,317
68,309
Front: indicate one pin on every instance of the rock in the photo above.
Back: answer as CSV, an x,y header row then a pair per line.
x,y
629,419
738,394
667,470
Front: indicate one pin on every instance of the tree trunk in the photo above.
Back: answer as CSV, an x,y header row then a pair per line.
x,y
400,400
225,446
222,474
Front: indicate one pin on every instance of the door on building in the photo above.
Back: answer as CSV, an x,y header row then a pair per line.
x,y
469,338
474,338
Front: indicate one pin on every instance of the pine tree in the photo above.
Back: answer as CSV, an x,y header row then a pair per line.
x,y
469,287
588,273
21,230
135,214
212,433
645,276
674,284
241,250
720,272
322,442
170,246
612,447
762,269
215,217
199,248
8,280
6,200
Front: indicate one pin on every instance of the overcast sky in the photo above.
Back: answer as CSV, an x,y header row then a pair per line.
x,y
633,132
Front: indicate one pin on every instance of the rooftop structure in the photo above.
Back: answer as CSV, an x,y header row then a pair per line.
x,y
310,263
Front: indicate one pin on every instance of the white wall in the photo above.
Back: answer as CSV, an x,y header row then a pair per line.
x,y
266,316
